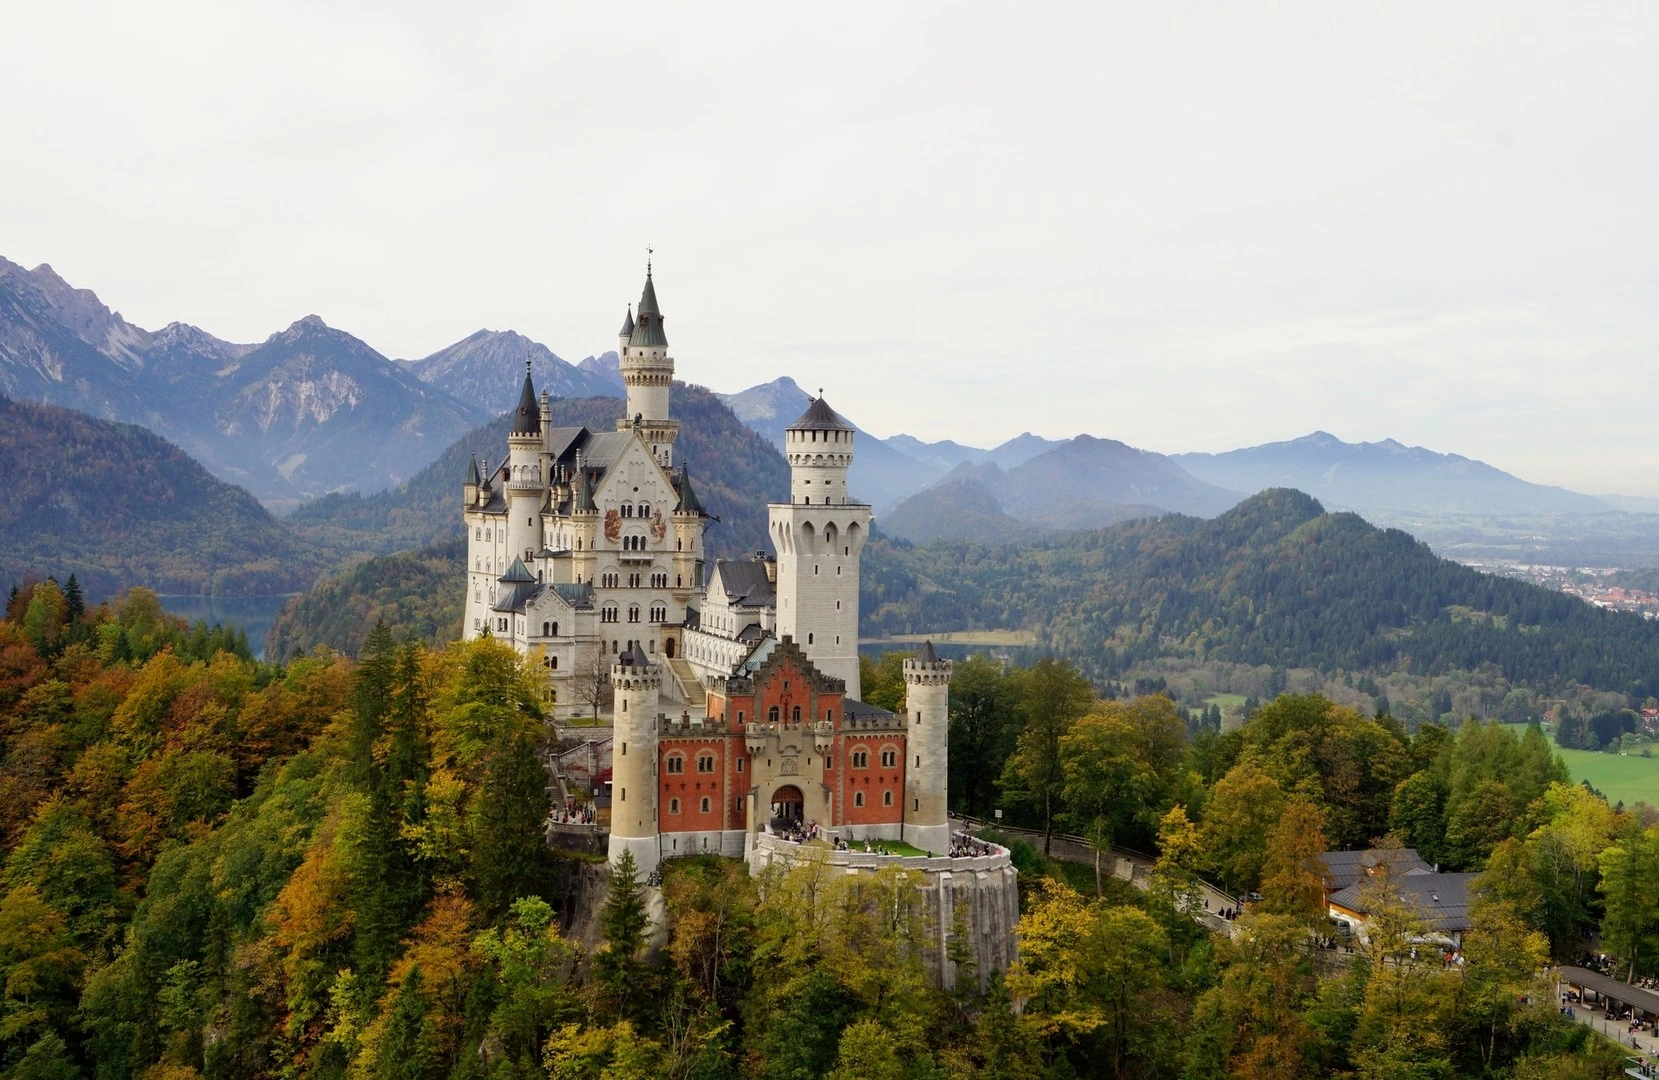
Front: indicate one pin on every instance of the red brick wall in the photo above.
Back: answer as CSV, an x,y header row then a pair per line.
x,y
872,780
691,786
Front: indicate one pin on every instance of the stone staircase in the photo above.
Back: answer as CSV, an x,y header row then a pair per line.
x,y
691,687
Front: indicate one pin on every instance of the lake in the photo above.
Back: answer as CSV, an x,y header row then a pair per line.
x,y
254,614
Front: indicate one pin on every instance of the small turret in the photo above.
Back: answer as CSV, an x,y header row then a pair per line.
x,y
636,685
648,373
625,333
819,447
469,487
927,740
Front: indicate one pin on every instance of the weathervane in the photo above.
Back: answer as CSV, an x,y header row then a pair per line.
x,y
648,253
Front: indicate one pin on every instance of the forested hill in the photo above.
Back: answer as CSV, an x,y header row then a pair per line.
x,y
734,470
1275,580
117,505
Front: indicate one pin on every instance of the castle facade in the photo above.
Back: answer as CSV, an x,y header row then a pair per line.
x,y
733,687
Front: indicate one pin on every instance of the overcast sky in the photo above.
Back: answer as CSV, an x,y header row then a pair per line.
x,y
1185,229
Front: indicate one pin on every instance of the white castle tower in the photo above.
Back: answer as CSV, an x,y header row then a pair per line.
x,y
818,535
927,741
648,373
637,684
525,490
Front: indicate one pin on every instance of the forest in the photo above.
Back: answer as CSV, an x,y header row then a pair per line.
x,y
218,868
1275,581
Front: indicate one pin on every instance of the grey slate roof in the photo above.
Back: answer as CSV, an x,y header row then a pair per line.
x,y
689,503
577,596
927,655
648,330
472,471
853,709
1440,900
527,417
1345,868
744,582
518,585
820,417
632,657
627,323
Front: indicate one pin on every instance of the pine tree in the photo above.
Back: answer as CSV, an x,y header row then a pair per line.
x,y
74,602
408,1049
622,923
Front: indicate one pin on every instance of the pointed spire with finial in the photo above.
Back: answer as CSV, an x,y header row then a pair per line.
x,y
627,324
648,329
527,417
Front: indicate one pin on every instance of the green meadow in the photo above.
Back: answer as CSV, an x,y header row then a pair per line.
x,y
1629,780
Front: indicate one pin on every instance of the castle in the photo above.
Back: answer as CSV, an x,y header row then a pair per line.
x,y
734,688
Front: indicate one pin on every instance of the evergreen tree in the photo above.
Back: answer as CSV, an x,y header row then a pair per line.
x,y
622,924
74,601
407,1050
508,859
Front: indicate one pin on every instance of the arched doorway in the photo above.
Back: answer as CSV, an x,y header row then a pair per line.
x,y
787,803
668,648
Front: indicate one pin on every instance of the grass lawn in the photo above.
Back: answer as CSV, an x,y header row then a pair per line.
x,y
892,847
1226,701
1629,780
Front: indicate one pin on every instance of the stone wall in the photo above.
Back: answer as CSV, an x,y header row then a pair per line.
x,y
978,895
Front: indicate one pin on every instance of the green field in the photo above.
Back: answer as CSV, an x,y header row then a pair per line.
x,y
1629,780
1228,702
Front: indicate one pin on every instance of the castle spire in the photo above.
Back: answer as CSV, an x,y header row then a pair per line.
x,y
527,418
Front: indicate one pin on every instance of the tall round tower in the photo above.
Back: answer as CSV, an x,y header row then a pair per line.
x,y
525,490
648,373
637,685
927,741
818,536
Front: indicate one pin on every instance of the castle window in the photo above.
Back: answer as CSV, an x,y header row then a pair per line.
x,y
814,569
918,716
676,763
809,639
772,715
673,806
795,715
705,762
633,613
858,798
546,629
889,758
739,764
477,533
501,625
916,804
624,795
553,662
887,798
555,630
705,804
740,716
486,534
838,605
861,759
829,716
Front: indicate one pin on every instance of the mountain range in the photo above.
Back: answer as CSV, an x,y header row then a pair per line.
x,y
1384,475
310,410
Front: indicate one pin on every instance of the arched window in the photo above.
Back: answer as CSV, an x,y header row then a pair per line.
x,y
546,629
809,638
887,798
633,613
673,806
889,758
705,804
553,662
705,762
795,715
676,763
858,798
772,714
861,759
555,630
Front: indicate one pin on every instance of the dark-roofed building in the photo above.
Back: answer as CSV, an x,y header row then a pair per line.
x,y
1345,868
1441,901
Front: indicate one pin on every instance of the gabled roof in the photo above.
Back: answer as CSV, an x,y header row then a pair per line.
x,y
527,417
604,449
562,441
820,417
744,582
786,651
1440,900
1344,868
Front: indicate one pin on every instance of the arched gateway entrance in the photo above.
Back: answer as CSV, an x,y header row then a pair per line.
x,y
668,648
787,802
